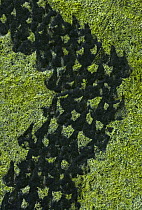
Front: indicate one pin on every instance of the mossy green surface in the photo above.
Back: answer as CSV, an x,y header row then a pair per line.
x,y
22,94
114,180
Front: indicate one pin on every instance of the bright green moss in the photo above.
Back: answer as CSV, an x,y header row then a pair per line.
x,y
21,90
82,139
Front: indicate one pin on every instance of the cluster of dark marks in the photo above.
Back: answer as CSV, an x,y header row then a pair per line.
x,y
54,158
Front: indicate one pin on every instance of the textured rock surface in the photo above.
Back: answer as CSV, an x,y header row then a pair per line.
x,y
52,166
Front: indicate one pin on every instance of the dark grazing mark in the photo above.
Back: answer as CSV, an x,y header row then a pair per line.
x,y
9,177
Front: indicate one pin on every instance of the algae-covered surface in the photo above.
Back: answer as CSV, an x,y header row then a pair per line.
x,y
114,178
